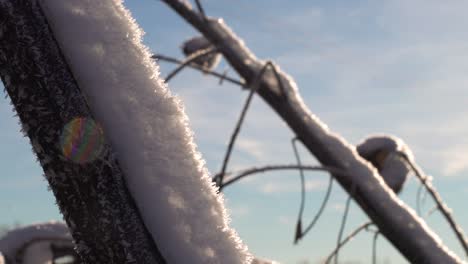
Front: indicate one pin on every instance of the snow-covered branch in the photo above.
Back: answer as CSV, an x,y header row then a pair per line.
x,y
395,220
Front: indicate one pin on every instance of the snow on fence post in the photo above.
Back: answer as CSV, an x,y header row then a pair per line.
x,y
92,196
113,142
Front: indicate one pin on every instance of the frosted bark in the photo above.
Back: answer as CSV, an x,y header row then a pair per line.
x,y
104,222
148,130
397,222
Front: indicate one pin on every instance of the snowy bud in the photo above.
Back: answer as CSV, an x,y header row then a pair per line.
x,y
384,152
198,44
33,243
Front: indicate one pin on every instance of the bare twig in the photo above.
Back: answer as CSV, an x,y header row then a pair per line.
x,y
188,61
430,212
443,208
299,232
374,248
418,199
342,227
302,204
221,76
200,8
347,239
252,171
254,86
322,207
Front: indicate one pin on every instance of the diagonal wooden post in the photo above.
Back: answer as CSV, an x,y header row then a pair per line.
x,y
92,196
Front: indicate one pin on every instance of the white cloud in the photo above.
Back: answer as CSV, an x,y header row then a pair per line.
x,y
455,160
251,147
238,211
278,187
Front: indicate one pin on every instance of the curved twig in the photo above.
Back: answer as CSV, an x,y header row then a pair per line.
x,y
430,212
374,247
347,239
342,227
418,199
245,173
200,8
443,208
254,86
221,76
299,232
302,204
189,60
320,211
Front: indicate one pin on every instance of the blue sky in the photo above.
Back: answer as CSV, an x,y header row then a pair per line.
x,y
363,67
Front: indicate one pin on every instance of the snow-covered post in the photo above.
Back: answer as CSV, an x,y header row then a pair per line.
x,y
114,144
395,220
92,196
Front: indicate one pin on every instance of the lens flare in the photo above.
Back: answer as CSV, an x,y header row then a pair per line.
x,y
82,140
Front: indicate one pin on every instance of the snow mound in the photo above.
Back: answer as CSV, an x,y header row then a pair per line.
x,y
384,152
25,239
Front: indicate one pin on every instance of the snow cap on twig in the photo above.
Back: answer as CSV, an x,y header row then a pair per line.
x,y
198,44
384,152
23,241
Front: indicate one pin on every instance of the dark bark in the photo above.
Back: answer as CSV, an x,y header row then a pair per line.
x,y
93,198
396,221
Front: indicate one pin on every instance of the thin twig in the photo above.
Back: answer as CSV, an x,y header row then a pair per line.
x,y
299,232
189,60
443,208
423,198
245,173
277,76
221,76
342,227
303,194
321,209
418,199
200,8
374,247
253,88
430,212
347,239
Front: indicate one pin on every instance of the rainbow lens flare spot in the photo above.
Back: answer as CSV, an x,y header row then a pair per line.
x,y
82,140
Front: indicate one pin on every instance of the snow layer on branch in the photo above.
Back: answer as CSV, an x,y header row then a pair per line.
x,y
148,129
199,44
18,238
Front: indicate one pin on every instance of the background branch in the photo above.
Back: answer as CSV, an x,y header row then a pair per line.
x,y
396,221
441,206
221,76
347,239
